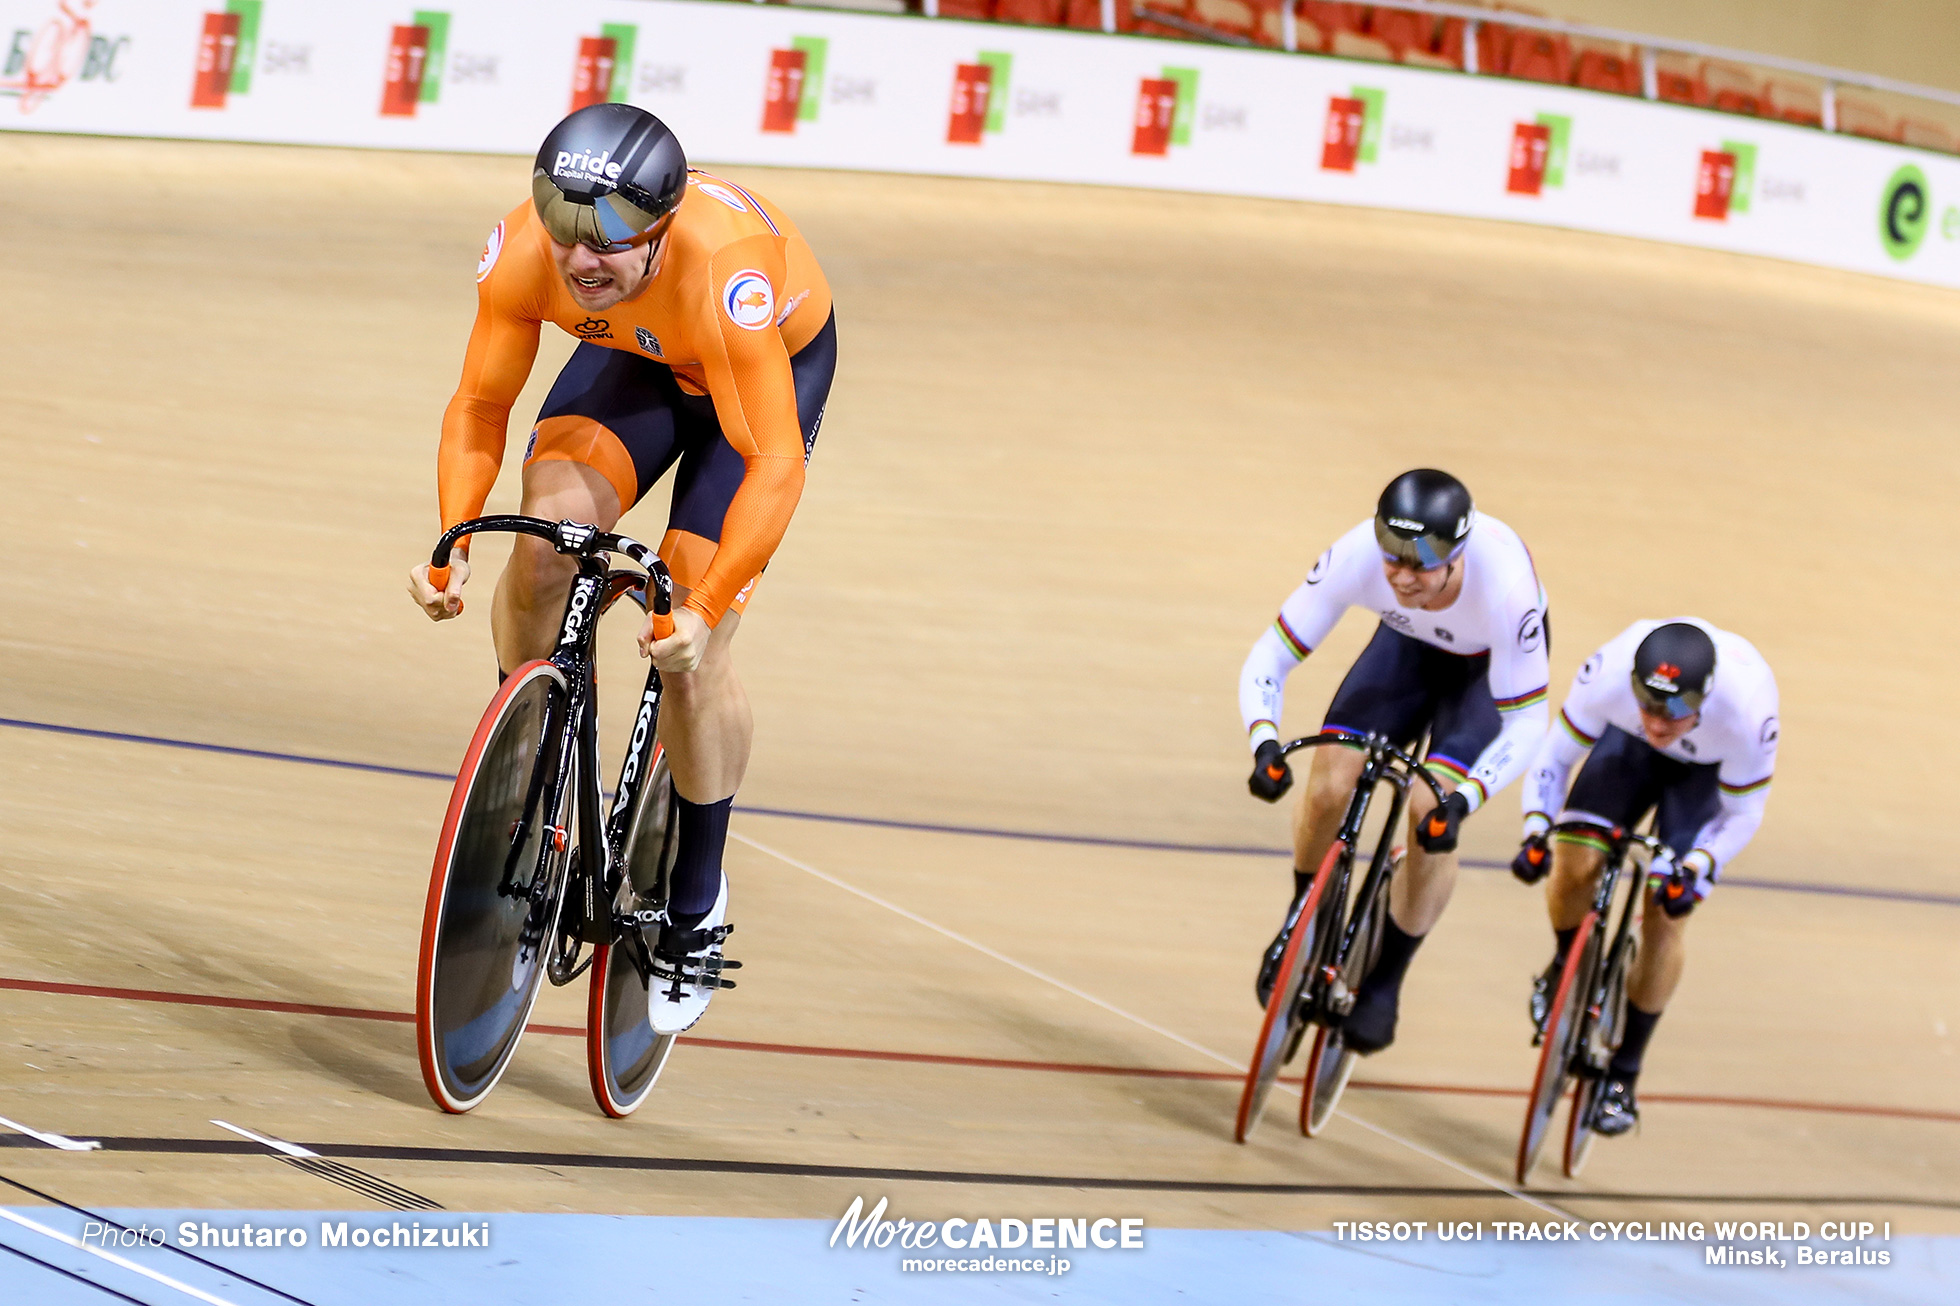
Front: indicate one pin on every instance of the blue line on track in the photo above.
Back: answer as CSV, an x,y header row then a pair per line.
x,y
930,827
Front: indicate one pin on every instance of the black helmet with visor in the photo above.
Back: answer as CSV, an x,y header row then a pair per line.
x,y
609,176
1674,670
1423,519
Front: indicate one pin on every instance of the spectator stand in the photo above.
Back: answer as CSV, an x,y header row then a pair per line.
x,y
1503,40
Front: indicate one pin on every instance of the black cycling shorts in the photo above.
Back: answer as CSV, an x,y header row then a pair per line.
x,y
1401,687
1626,777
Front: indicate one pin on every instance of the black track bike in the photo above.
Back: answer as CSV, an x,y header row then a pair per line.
x,y
531,870
1587,1016
1336,933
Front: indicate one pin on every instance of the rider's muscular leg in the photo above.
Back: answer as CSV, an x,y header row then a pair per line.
x,y
1656,972
1663,955
1330,784
530,600
705,723
706,729
1574,880
1418,895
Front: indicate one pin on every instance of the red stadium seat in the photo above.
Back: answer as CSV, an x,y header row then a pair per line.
x,y
1038,13
1926,135
1539,57
1087,14
1602,68
1733,89
1449,42
1319,22
1678,79
1403,31
1863,118
1794,102
966,8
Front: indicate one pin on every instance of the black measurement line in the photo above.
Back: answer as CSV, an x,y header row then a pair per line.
x,y
710,1165
78,1278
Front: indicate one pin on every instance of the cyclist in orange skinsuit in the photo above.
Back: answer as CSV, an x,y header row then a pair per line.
x,y
707,340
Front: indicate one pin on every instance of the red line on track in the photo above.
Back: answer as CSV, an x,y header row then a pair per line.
x,y
940,1058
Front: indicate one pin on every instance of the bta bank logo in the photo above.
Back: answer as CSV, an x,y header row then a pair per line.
x,y
1725,180
1166,104
413,74
227,49
794,90
64,48
1539,152
604,71
979,98
1353,132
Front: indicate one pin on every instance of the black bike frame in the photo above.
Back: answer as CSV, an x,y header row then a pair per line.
x,y
1379,767
572,743
1619,843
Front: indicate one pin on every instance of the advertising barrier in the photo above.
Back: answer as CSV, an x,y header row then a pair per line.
x,y
763,84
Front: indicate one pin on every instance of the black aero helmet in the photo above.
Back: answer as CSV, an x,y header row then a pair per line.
x,y
1673,669
1423,519
609,176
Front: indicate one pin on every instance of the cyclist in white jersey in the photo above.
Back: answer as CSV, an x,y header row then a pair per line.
x,y
1461,653
1680,717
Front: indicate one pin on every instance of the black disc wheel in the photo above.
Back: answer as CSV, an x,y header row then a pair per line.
x,y
623,1055
494,893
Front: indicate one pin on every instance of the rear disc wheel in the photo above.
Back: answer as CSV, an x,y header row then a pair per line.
x,y
1579,1133
623,1054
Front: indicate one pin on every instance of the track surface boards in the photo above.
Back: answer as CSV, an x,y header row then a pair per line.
x,y
1082,443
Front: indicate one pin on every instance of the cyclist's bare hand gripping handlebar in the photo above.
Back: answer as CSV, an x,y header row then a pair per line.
x,y
439,590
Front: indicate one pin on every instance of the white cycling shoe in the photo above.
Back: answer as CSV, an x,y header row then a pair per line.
x,y
687,967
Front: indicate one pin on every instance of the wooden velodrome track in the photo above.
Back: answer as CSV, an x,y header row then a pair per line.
x,y
1082,443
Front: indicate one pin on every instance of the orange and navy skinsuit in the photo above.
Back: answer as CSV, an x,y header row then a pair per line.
x,y
735,292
